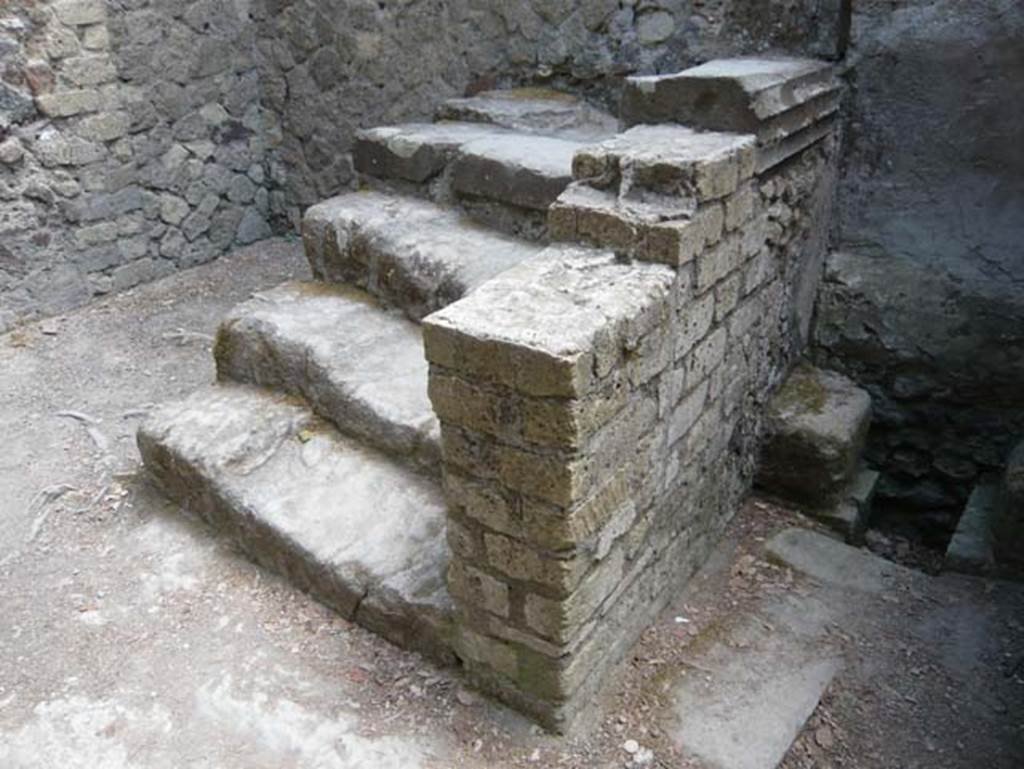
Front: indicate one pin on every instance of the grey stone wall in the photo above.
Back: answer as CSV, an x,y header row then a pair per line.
x,y
334,66
926,305
131,145
141,136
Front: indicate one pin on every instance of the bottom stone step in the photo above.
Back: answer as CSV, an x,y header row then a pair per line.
x,y
363,535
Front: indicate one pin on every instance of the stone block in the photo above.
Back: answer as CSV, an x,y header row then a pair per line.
x,y
726,94
532,110
475,587
104,126
69,103
668,160
78,13
413,152
1009,519
815,429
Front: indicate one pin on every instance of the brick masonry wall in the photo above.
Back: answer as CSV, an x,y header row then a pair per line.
x,y
600,424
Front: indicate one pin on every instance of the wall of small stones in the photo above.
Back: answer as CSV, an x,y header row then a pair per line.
x,y
131,145
587,480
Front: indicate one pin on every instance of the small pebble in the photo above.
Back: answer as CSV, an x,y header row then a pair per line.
x,y
631,746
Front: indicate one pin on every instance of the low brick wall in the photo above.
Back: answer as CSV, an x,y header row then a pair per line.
x,y
600,419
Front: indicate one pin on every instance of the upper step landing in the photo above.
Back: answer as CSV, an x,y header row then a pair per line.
x,y
533,110
788,103
410,253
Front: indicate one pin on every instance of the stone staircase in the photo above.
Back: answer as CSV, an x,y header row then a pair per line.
x,y
496,505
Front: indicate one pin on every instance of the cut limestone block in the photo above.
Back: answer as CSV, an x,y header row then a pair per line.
x,y
788,103
516,169
534,110
668,162
360,533
652,229
1009,524
970,550
727,94
815,429
833,563
411,253
357,365
414,152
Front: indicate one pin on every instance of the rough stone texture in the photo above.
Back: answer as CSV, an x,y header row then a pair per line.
x,y
944,367
533,110
356,365
600,420
815,428
106,109
413,254
970,549
358,532
787,103
925,307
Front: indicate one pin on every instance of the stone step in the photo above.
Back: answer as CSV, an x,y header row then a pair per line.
x,y
851,515
356,364
480,161
362,534
410,253
533,110
970,551
816,425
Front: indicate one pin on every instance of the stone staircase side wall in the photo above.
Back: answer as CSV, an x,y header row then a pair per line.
x,y
590,469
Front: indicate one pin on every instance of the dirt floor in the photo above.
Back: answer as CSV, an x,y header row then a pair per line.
x,y
132,637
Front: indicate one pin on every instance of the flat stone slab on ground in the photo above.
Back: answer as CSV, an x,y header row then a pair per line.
x,y
750,691
411,253
832,562
537,110
356,364
359,532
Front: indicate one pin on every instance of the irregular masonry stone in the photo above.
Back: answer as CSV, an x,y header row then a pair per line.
x,y
650,230
363,535
761,677
414,152
668,160
80,12
69,103
518,169
825,560
546,326
535,110
354,363
970,551
411,253
726,94
815,429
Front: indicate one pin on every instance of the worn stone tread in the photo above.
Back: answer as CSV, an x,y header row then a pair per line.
x,y
356,364
833,563
534,110
361,533
515,169
412,254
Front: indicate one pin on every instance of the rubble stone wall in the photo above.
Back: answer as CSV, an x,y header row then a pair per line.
x,y
924,305
131,145
600,425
